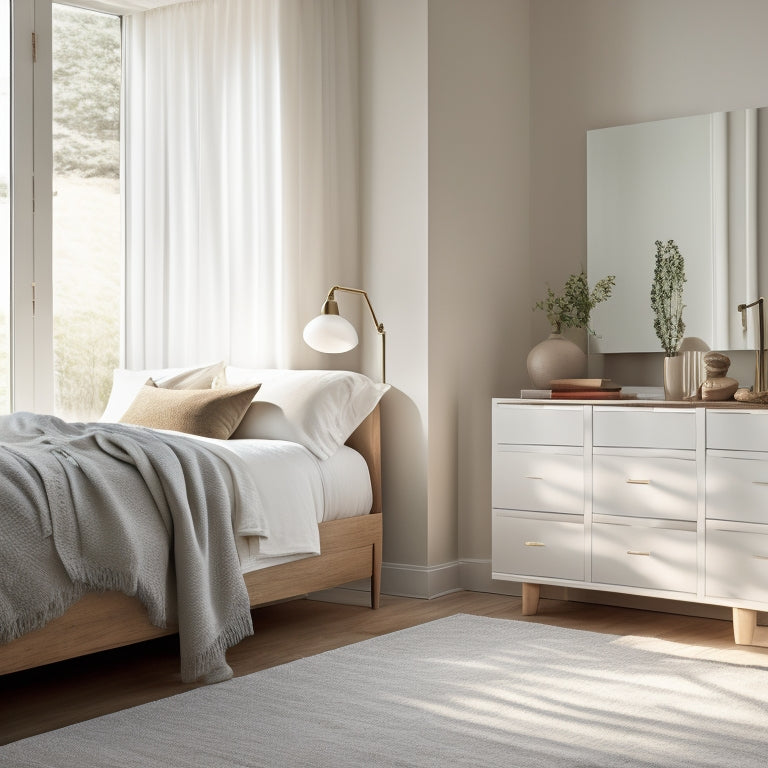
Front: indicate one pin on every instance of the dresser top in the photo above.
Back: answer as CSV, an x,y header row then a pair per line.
x,y
637,403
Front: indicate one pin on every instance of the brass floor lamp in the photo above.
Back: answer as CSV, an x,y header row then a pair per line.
x,y
330,332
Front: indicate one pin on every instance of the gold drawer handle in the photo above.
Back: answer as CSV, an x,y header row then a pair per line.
x,y
760,557
638,482
637,552
533,477
535,544
760,482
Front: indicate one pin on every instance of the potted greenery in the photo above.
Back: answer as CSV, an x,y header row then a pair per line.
x,y
667,296
667,307
573,308
557,357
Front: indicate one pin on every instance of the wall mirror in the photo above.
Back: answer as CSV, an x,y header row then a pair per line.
x,y
701,181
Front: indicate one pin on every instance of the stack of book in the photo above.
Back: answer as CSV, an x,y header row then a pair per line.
x,y
576,389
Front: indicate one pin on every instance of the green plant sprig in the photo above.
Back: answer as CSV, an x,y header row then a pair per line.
x,y
574,306
667,296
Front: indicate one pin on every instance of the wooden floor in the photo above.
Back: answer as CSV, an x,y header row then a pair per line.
x,y
50,697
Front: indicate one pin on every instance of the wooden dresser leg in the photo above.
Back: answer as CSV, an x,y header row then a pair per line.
x,y
744,626
746,630
530,598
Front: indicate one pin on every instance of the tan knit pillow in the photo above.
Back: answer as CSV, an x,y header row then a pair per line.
x,y
205,412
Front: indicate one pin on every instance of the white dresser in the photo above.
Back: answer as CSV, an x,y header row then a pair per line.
x,y
646,499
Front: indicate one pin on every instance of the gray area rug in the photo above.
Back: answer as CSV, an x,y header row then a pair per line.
x,y
460,691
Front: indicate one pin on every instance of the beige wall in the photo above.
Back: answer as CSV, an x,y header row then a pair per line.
x,y
394,205
597,63
479,310
444,164
473,163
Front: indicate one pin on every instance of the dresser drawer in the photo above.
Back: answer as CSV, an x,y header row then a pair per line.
x,y
644,428
644,486
646,557
542,548
538,425
539,481
737,430
737,564
737,487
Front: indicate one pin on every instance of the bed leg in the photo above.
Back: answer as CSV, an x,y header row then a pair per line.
x,y
376,576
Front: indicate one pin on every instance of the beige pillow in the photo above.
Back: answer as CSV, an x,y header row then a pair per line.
x,y
126,384
204,412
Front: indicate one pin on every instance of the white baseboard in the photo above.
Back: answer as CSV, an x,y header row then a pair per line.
x,y
424,581
397,579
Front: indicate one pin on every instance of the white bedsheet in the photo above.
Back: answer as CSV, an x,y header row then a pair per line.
x,y
346,485
297,492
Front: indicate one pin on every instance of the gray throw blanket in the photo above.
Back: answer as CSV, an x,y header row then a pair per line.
x,y
93,507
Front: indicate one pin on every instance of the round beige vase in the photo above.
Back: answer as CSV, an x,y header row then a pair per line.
x,y
555,358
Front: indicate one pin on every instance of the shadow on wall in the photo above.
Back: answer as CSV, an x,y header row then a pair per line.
x,y
404,479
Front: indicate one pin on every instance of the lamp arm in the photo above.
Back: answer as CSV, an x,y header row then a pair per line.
x,y
379,326
330,306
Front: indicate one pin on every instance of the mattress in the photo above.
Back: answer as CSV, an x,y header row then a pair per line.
x,y
297,491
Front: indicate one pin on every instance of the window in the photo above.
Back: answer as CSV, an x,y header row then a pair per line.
x,y
62,304
87,245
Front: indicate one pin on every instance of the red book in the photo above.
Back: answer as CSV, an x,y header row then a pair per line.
x,y
586,394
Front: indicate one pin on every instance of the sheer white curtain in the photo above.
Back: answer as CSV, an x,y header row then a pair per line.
x,y
241,156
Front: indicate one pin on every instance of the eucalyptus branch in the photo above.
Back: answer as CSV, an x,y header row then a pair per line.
x,y
573,308
667,296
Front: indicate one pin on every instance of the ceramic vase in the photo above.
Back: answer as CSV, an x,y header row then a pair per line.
x,y
683,375
674,378
555,358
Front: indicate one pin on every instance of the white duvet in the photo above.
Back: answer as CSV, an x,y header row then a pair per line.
x,y
297,492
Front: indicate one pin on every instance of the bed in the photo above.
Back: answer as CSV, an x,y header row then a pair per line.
x,y
290,407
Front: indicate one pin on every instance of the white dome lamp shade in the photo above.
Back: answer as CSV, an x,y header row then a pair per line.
x,y
330,332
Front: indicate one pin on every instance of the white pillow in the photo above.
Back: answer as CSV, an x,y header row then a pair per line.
x,y
317,409
127,384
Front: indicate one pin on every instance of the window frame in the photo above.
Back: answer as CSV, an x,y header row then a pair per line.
x,y
31,300
31,207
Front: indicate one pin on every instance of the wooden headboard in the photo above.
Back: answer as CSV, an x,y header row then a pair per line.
x,y
366,440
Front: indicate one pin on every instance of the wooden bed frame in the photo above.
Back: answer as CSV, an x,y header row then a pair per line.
x,y
350,550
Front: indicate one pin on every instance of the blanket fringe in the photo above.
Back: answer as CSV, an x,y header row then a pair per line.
x,y
57,606
196,667
105,580
93,580
193,669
